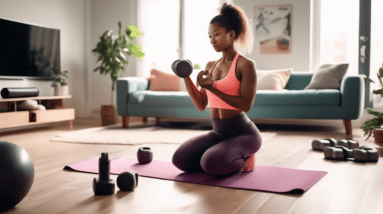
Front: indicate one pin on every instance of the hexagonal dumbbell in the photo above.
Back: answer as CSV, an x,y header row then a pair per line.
x,y
362,154
350,144
320,145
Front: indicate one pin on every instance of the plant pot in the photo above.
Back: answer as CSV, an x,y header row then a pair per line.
x,y
378,135
61,90
108,115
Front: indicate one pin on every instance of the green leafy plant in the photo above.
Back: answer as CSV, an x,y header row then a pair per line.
x,y
58,77
113,51
196,66
369,125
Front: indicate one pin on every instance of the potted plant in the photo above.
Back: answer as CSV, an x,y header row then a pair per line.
x,y
375,125
59,84
113,52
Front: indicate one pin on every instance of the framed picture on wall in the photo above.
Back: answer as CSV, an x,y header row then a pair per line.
x,y
273,28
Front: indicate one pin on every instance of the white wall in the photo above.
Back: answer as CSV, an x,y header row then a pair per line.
x,y
81,23
299,58
105,16
69,17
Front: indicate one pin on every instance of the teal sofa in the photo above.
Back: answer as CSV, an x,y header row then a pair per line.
x,y
134,99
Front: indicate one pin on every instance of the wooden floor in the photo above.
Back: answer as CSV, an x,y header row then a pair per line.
x,y
349,187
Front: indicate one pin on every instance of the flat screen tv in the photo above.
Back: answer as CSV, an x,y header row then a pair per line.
x,y
28,51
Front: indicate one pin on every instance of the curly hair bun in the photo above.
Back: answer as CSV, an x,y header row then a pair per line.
x,y
238,21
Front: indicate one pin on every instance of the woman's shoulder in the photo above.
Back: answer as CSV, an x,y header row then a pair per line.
x,y
210,65
245,63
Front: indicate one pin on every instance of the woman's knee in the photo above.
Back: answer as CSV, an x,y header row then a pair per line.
x,y
178,159
188,155
247,144
221,162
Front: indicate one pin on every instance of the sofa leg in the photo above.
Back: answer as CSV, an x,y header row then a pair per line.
x,y
157,120
125,121
348,127
145,119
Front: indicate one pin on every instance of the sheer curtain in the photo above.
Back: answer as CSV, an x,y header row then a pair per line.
x,y
339,33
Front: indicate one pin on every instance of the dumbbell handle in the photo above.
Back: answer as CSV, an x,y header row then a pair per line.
x,y
104,167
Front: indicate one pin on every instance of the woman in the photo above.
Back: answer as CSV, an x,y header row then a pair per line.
x,y
229,85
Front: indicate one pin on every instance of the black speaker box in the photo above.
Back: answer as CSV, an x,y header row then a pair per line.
x,y
19,92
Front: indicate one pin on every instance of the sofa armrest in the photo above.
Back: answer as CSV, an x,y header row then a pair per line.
x,y
352,91
127,85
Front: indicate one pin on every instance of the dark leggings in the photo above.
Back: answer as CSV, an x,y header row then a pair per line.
x,y
222,151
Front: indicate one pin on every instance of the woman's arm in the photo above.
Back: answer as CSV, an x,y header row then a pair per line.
x,y
198,96
246,96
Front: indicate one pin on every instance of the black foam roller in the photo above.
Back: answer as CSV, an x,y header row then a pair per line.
x,y
19,92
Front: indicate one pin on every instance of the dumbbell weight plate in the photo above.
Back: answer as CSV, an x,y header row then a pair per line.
x,y
182,68
320,145
333,153
366,155
350,144
174,65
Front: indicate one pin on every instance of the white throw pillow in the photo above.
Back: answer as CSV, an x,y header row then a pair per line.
x,y
328,76
273,79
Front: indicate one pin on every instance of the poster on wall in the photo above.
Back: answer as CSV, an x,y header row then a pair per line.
x,y
273,28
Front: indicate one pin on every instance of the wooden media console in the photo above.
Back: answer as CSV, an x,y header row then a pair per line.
x,y
55,112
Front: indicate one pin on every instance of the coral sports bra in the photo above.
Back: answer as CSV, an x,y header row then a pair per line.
x,y
229,84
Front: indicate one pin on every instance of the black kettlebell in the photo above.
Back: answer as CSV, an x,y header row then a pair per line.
x,y
127,181
144,155
182,68
103,185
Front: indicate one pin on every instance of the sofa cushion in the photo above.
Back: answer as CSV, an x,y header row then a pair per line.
x,y
325,97
328,76
162,81
273,79
161,98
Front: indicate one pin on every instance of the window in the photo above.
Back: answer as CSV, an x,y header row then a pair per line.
x,y
196,45
159,20
376,54
339,33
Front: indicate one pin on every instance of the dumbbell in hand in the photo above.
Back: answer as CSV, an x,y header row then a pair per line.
x,y
320,145
362,154
182,68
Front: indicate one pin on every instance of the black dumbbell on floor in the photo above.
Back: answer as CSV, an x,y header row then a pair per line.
x,y
320,145
362,154
127,181
103,185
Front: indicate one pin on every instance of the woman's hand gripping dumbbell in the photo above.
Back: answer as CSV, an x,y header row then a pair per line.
x,y
183,69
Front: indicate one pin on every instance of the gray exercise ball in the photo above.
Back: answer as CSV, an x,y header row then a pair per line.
x,y
16,174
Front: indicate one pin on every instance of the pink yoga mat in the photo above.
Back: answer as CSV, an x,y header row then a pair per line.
x,y
263,178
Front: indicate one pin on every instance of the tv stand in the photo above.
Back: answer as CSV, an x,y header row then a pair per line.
x,y
55,112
